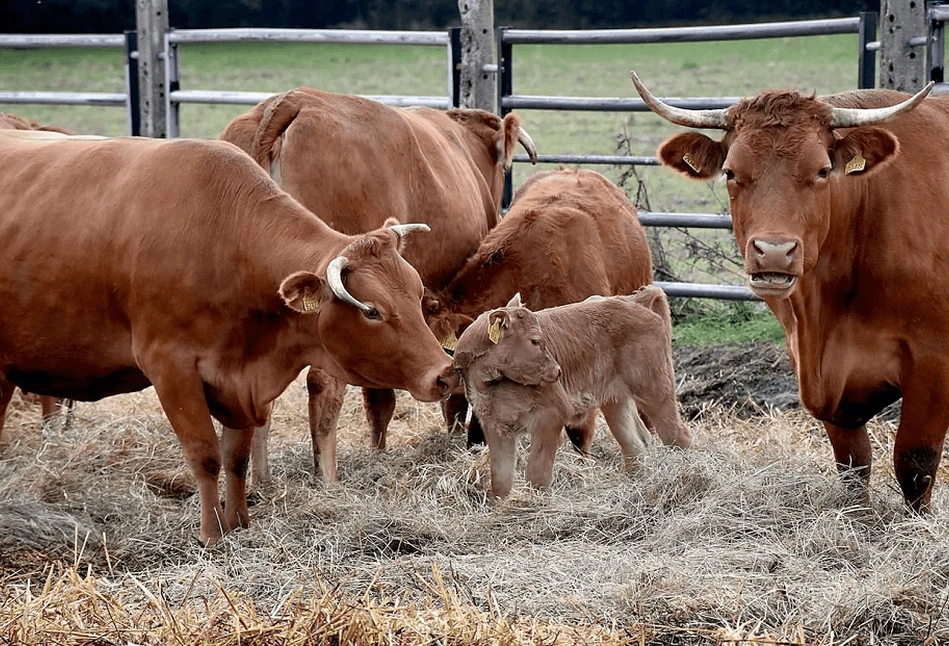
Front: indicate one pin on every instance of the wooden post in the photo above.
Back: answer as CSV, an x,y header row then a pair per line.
x,y
152,25
478,84
903,43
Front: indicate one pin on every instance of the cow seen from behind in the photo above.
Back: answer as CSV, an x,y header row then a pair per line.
x,y
533,372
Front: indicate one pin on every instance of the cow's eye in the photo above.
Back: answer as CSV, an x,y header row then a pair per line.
x,y
824,173
372,313
729,174
535,341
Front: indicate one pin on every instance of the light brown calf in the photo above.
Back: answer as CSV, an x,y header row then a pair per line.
x,y
534,372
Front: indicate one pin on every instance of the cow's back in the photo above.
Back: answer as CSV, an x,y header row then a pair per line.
x,y
355,162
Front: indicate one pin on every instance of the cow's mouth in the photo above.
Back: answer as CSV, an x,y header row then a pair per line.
x,y
771,283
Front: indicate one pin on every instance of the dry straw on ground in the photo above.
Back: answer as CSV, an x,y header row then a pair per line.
x,y
747,538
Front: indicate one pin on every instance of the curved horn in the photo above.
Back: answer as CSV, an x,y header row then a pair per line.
x,y
334,276
853,117
403,230
680,116
528,143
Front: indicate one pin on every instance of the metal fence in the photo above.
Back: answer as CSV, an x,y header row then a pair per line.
x,y
176,96
865,25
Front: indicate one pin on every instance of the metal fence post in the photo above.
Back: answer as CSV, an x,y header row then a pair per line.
x,y
454,65
866,60
903,38
151,25
937,44
131,83
505,89
172,84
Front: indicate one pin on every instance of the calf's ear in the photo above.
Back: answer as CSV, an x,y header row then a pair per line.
x,y
863,151
693,154
304,292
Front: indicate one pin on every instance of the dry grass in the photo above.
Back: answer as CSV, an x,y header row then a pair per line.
x,y
747,538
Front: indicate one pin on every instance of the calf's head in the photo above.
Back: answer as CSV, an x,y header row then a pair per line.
x,y
781,155
369,316
506,343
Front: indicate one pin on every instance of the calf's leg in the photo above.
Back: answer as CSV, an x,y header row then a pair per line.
x,y
455,411
545,439
379,404
628,429
581,435
501,447
325,403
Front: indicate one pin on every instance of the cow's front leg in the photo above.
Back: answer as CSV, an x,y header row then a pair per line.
x,y
181,394
545,440
325,402
235,448
922,432
379,404
259,457
502,447
853,456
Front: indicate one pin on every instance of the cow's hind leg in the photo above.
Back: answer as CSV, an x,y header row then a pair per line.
x,y
6,394
379,404
325,403
853,456
628,429
922,431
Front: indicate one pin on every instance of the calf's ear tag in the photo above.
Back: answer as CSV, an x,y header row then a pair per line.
x,y
855,165
310,304
687,158
494,331
450,342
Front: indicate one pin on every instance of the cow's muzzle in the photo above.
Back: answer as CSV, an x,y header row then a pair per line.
x,y
773,266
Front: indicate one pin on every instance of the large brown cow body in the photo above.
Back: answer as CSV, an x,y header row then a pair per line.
x,y
356,162
8,121
180,264
569,234
842,221
534,372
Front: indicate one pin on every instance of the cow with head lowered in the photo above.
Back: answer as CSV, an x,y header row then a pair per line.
x,y
356,162
569,234
534,372
840,206
182,265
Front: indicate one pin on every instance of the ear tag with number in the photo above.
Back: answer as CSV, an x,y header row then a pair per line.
x,y
687,158
494,331
450,342
855,165
310,304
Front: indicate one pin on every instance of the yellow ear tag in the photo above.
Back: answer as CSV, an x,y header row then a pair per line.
x,y
310,304
494,331
450,342
687,158
855,165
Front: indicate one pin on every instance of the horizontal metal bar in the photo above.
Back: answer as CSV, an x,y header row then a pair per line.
x,y
606,104
66,98
941,88
874,46
699,290
619,160
697,220
253,98
918,41
939,13
38,41
350,36
679,34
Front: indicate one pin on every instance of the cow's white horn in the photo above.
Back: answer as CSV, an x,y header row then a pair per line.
x,y
403,230
528,143
854,117
680,116
334,276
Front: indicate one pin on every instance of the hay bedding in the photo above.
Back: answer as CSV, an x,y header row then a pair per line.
x,y
747,538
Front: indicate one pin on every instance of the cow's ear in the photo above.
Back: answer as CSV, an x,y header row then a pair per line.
x,y
304,292
864,150
515,301
693,154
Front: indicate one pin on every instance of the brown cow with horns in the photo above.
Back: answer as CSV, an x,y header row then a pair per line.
x,y
839,205
355,162
181,264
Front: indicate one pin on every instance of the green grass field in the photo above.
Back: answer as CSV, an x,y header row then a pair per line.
x,y
823,64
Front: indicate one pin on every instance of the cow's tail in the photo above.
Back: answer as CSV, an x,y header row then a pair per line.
x,y
654,299
277,117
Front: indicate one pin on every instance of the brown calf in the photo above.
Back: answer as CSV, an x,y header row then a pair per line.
x,y
534,372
